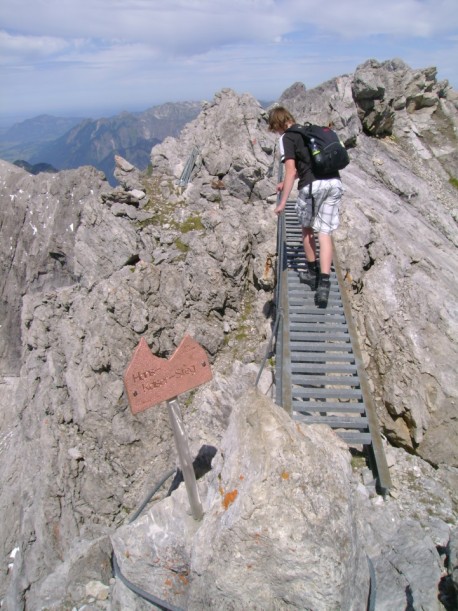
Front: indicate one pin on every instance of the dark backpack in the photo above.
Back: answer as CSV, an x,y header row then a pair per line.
x,y
327,152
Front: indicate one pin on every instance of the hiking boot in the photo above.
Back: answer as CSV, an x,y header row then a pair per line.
x,y
310,277
322,292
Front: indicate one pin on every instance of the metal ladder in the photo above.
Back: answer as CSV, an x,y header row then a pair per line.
x,y
319,372
189,167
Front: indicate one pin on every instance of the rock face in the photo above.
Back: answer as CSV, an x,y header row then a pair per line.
x,y
269,515
87,270
398,246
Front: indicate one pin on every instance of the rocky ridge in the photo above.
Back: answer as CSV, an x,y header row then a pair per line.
x,y
87,270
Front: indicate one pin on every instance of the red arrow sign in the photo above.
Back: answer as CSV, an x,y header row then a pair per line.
x,y
149,379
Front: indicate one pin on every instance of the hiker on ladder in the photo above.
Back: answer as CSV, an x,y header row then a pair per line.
x,y
317,204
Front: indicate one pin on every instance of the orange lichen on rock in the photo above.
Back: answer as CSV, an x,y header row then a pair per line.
x,y
229,498
285,475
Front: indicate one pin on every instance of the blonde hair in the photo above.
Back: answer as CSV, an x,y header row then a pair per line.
x,y
280,119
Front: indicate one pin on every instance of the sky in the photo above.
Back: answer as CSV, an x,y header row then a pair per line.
x,y
95,58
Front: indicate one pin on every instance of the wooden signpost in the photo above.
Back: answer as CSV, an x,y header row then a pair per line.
x,y
149,380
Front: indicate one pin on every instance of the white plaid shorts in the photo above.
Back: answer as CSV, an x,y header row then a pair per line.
x,y
327,194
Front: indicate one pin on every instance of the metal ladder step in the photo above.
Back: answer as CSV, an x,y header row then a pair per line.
x,y
327,347
324,368
337,423
321,357
326,393
324,380
323,371
355,438
327,339
328,407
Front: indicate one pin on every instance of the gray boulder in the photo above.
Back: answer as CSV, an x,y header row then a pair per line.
x,y
278,501
235,151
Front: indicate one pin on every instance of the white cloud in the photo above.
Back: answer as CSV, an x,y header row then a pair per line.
x,y
180,27
30,47
181,24
95,52
361,18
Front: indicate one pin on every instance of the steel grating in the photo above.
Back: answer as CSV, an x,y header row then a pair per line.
x,y
323,370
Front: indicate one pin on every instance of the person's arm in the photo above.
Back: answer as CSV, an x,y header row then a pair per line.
x,y
288,184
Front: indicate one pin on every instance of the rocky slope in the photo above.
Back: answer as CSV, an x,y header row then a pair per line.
x,y
87,270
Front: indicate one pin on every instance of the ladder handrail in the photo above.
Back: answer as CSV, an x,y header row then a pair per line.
x,y
280,332
384,479
283,351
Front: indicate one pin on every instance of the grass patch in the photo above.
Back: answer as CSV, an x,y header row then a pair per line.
x,y
166,212
241,335
241,338
358,461
181,246
192,223
162,208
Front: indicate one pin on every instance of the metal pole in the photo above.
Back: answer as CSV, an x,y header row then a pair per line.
x,y
184,456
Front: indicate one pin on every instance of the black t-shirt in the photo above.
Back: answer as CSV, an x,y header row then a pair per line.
x,y
292,143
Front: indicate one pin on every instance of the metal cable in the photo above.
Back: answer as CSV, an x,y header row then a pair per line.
x,y
150,495
373,586
158,602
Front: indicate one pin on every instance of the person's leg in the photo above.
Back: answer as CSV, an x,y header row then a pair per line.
x,y
310,275
308,238
324,283
325,241
304,210
327,220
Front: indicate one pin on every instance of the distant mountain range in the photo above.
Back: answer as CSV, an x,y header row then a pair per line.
x,y
45,142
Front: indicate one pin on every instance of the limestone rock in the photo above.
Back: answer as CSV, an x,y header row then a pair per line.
x,y
402,289
278,500
128,176
233,143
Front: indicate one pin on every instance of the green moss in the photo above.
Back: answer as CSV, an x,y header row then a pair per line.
x,y
454,182
192,223
358,462
247,310
240,338
189,398
162,208
181,246
241,334
164,211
